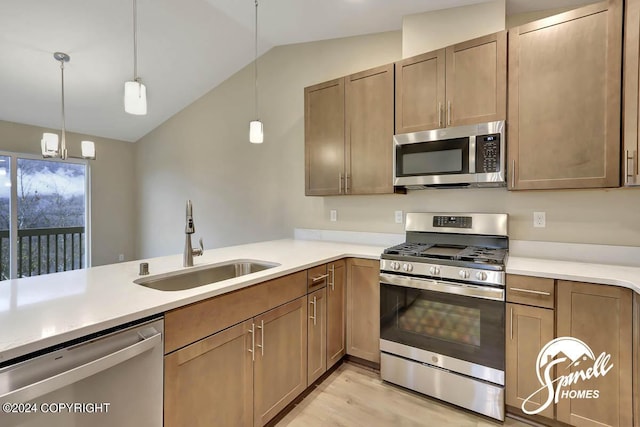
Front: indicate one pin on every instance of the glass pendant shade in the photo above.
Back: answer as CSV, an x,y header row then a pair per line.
x,y
50,145
256,133
88,150
135,98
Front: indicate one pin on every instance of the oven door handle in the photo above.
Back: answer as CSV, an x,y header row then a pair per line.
x,y
474,291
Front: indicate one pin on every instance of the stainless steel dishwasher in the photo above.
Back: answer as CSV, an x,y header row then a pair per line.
x,y
109,379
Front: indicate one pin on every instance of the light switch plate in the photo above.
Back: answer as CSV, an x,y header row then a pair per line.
x,y
333,215
539,219
399,217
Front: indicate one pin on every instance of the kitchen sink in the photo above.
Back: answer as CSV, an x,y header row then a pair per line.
x,y
205,275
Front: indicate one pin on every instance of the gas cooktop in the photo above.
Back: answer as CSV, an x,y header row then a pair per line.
x,y
435,252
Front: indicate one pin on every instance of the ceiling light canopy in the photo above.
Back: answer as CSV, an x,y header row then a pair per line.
x,y
135,93
50,145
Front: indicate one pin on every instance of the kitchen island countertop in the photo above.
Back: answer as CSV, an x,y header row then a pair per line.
x,y
43,311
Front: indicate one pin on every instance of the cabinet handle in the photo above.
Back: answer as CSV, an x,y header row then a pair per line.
x,y
449,113
346,183
340,183
252,350
314,311
511,323
631,171
513,174
261,345
530,291
440,114
333,277
322,277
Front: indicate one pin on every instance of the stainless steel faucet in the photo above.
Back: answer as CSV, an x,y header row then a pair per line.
x,y
189,252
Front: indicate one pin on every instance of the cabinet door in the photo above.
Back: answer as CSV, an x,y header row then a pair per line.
x,y
369,130
336,319
528,330
476,80
600,316
316,335
420,92
564,100
280,368
363,309
631,98
324,138
210,382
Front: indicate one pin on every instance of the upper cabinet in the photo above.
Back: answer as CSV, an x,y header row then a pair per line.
x,y
630,172
348,134
564,100
459,85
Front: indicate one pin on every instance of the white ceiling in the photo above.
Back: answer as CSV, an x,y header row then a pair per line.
x,y
185,48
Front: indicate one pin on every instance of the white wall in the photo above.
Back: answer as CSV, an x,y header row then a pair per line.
x,y
429,31
112,186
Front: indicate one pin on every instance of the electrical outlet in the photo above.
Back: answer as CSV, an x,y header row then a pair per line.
x,y
121,257
539,219
333,215
399,217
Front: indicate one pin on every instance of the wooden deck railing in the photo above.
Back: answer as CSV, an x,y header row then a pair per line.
x,y
44,250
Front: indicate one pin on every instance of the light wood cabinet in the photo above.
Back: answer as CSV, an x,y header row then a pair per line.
x,y
528,330
348,134
631,94
316,335
600,316
336,316
564,100
280,368
459,85
363,309
210,382
324,138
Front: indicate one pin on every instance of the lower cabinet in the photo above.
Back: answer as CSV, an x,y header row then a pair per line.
x,y
210,382
316,335
280,369
528,330
600,316
363,309
336,315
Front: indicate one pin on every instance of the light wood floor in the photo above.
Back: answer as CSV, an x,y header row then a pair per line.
x,y
354,396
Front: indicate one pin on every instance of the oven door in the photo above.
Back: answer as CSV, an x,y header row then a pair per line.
x,y
459,321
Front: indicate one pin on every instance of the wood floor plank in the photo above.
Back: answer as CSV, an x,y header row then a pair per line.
x,y
356,397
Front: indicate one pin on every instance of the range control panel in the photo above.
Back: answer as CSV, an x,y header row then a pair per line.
x,y
453,221
488,153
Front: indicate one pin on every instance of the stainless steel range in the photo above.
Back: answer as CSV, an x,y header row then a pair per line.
x,y
442,309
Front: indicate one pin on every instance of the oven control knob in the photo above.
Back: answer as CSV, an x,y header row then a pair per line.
x,y
464,274
434,271
395,265
407,267
481,275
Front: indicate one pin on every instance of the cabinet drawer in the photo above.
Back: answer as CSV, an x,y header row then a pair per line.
x,y
317,277
188,324
536,291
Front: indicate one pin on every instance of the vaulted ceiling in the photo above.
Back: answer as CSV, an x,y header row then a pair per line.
x,y
185,48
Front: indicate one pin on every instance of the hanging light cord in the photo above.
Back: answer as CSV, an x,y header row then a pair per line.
x,y
135,41
62,145
255,62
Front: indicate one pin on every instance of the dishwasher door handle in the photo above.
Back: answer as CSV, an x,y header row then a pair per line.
x,y
63,379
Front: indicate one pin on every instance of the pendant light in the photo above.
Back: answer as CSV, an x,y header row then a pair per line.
x,y
51,147
256,131
135,93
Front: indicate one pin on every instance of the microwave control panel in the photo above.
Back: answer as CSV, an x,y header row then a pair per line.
x,y
488,153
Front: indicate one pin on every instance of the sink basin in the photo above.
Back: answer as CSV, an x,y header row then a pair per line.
x,y
205,275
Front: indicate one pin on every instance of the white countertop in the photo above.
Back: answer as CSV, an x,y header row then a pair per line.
x,y
43,311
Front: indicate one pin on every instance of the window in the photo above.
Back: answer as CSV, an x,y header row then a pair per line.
x,y
43,211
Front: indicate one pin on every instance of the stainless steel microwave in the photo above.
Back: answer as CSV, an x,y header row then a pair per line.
x,y
462,156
